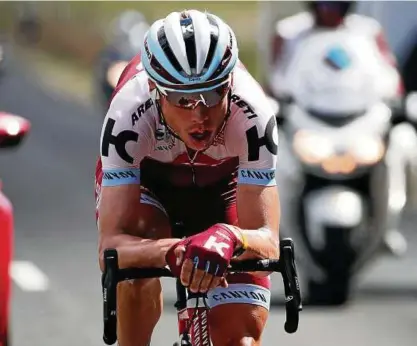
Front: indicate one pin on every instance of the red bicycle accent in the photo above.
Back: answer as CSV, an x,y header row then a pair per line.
x,y
200,331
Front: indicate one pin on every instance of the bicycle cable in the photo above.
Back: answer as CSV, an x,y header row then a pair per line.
x,y
204,298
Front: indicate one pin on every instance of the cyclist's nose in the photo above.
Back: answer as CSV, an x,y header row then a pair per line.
x,y
200,113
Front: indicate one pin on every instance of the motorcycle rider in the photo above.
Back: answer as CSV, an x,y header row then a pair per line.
x,y
321,15
188,149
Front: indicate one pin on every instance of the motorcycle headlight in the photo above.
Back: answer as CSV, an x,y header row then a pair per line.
x,y
114,71
339,164
312,148
368,150
315,149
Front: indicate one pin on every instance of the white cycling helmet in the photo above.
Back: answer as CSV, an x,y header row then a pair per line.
x,y
189,51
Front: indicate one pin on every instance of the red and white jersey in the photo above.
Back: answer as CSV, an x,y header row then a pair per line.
x,y
134,141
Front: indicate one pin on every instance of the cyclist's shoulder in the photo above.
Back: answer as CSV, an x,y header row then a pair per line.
x,y
291,27
249,101
128,127
251,131
132,78
132,99
363,24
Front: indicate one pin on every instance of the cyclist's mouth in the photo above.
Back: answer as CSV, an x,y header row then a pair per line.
x,y
201,137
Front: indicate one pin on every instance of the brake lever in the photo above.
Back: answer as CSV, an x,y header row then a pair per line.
x,y
109,280
293,304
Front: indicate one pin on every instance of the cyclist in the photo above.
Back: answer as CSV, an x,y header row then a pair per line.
x,y
186,178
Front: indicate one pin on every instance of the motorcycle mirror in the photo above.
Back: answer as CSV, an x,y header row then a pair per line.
x,y
411,107
13,129
283,102
274,104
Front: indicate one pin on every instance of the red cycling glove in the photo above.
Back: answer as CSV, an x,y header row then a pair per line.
x,y
210,250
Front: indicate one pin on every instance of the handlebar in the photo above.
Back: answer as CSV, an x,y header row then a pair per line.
x,y
285,265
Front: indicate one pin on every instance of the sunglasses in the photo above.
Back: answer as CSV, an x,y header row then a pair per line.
x,y
185,100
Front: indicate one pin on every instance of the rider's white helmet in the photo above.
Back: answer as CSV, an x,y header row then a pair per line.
x,y
189,51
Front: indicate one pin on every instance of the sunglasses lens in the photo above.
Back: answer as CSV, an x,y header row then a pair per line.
x,y
191,100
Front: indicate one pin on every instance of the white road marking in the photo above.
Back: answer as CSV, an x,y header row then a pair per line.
x,y
28,276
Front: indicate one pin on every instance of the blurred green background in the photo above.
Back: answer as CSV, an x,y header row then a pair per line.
x,y
75,31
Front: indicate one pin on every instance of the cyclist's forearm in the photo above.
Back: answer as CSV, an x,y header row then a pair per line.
x,y
135,251
261,243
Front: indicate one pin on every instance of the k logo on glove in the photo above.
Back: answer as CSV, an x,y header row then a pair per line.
x,y
210,250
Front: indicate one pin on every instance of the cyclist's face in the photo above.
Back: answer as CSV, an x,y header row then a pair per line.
x,y
196,126
328,14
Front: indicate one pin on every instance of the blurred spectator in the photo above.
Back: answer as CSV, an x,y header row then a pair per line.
x,y
29,26
126,36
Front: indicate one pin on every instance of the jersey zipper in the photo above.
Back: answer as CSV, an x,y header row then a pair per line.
x,y
191,160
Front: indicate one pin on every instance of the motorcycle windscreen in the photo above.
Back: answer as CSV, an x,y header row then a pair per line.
x,y
343,149
336,119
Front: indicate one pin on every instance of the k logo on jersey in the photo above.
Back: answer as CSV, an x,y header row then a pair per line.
x,y
255,143
119,141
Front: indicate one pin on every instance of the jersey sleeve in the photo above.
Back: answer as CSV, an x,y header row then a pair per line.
x,y
255,141
125,139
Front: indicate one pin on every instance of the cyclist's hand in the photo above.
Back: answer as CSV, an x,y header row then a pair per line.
x,y
200,261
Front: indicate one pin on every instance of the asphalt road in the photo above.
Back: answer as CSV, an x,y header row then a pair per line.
x,y
50,182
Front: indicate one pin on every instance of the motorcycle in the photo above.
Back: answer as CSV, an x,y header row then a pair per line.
x,y
13,129
128,32
342,161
